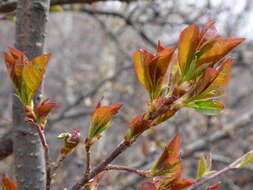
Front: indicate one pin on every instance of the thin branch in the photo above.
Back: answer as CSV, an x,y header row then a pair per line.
x,y
87,149
141,173
232,166
57,164
121,147
46,154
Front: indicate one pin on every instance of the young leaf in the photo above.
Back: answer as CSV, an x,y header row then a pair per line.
x,y
71,140
202,168
26,76
169,161
247,159
151,69
188,42
137,126
100,119
207,107
181,184
216,86
147,186
217,49
32,76
213,187
7,184
56,8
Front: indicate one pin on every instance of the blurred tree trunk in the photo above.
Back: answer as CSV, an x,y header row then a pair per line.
x,y
29,161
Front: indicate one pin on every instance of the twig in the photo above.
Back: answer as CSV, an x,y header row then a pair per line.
x,y
121,147
141,173
87,171
46,154
57,164
232,166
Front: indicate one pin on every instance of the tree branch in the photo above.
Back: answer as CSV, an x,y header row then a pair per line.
x,y
121,147
232,166
141,173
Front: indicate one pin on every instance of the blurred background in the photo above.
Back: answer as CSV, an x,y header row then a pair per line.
x,y
92,47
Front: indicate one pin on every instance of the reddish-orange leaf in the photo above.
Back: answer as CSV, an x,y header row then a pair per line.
x,y
208,33
33,74
170,159
181,184
7,184
137,126
15,61
216,50
219,84
151,69
101,117
147,186
204,82
71,140
188,42
42,109
139,57
214,186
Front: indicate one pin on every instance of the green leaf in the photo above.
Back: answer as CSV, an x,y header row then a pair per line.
x,y
247,159
202,168
56,8
206,107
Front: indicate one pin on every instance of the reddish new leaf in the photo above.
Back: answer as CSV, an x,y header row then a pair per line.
x,y
169,161
219,84
7,184
217,49
214,186
180,184
100,119
151,69
188,42
71,140
147,186
26,76
137,126
43,109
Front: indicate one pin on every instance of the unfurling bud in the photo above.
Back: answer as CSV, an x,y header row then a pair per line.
x,y
136,127
71,140
100,120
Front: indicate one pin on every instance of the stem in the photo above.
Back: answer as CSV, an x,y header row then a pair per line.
x,y
125,168
46,155
102,166
121,147
57,164
87,171
230,167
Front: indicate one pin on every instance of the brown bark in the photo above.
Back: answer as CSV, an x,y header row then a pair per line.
x,y
29,161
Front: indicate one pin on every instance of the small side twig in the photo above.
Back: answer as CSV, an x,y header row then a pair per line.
x,y
46,154
141,173
87,149
57,164
230,167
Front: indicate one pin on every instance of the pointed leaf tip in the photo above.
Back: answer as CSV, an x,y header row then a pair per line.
x,y
7,184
